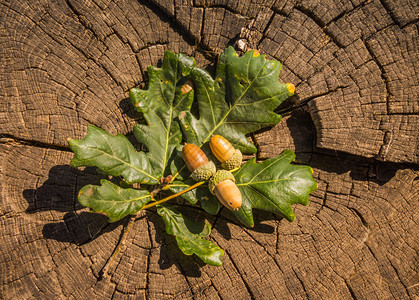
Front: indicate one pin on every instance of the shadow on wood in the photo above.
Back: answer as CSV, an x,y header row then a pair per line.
x,y
59,193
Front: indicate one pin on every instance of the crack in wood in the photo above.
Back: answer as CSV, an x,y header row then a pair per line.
x,y
9,138
400,279
220,5
345,13
320,24
301,282
178,27
351,291
382,70
305,101
390,12
249,290
324,200
361,217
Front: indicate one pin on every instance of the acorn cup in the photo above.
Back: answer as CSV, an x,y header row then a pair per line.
x,y
229,157
222,184
198,163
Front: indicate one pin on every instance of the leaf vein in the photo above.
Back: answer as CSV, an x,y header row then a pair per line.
x,y
234,105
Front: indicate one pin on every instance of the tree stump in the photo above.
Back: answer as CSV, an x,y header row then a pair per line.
x,y
354,119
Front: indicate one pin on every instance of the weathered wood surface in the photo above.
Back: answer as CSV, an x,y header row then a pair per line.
x,y
354,119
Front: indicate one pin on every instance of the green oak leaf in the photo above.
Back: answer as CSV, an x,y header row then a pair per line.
x,y
273,185
240,100
113,155
168,94
113,201
189,235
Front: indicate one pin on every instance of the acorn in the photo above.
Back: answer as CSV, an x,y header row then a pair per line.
x,y
229,157
222,184
197,162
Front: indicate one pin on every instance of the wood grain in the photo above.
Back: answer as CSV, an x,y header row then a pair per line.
x,y
354,118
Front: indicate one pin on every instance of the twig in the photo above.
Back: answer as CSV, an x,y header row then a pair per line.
x,y
121,243
173,196
127,229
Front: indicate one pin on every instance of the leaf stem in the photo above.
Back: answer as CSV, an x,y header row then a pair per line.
x,y
176,175
173,196
235,169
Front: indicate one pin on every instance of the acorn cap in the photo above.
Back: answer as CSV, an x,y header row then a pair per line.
x,y
204,172
234,161
220,176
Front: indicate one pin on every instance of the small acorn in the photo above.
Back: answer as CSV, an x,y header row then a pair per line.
x,y
198,163
229,157
222,184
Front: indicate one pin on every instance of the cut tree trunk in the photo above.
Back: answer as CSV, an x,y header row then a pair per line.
x,y
354,119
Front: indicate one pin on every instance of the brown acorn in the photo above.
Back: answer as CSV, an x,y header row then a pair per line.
x,y
229,157
197,162
222,184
